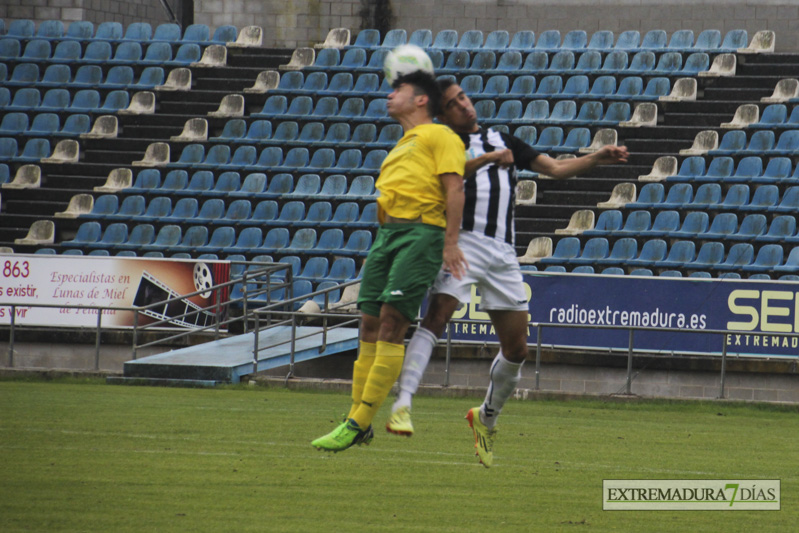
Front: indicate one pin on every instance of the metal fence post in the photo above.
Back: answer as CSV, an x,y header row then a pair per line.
x,y
11,337
255,345
538,358
135,331
293,346
630,364
97,339
723,366
449,355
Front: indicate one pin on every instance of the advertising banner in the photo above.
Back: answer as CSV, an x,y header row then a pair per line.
x,y
114,282
764,312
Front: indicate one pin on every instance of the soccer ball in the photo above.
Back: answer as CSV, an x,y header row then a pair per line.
x,y
405,59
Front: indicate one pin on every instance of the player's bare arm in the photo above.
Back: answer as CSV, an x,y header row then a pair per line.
x,y
567,168
454,260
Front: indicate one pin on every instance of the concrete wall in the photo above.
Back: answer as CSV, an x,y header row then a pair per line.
x,y
296,23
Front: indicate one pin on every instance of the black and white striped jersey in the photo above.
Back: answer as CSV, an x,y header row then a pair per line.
x,y
491,192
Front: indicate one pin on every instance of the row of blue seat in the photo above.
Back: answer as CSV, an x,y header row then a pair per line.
x,y
44,125
241,212
30,99
697,225
273,158
707,40
114,31
749,169
224,239
100,52
255,185
458,62
681,255
85,77
618,271
776,116
711,197
760,142
289,133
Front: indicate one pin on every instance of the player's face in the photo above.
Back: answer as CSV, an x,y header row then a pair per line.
x,y
457,110
402,101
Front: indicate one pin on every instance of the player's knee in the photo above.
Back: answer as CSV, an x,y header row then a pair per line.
x,y
517,353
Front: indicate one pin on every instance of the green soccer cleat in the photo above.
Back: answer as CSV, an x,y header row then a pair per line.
x,y
483,437
399,423
345,435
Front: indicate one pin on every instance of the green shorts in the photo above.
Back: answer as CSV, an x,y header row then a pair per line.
x,y
402,264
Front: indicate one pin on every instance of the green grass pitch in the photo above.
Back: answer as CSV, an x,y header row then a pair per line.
x,y
80,455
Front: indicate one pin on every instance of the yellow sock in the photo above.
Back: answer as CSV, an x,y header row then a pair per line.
x,y
385,371
360,371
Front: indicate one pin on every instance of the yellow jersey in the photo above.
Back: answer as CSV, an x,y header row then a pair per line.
x,y
409,182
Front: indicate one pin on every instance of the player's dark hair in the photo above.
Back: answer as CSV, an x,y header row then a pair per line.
x,y
444,84
423,83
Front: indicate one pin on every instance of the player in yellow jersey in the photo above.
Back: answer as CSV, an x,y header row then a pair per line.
x,y
419,209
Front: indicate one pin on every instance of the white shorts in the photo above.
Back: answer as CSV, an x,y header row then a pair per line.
x,y
493,267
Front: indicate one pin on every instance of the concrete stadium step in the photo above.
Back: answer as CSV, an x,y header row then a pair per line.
x,y
699,107
737,94
259,58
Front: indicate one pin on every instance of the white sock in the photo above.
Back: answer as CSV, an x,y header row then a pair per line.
x,y
504,378
417,355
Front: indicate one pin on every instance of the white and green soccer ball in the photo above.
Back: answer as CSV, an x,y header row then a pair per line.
x,y
405,59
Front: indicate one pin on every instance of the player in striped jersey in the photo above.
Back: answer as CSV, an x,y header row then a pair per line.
x,y
487,241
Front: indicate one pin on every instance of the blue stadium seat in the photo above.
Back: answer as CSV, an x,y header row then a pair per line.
x,y
114,234
247,241
193,238
615,62
677,196
681,40
768,257
496,87
56,76
307,186
104,205
566,249
87,76
346,213
781,229
34,150
563,111
588,63
708,41
211,212
37,50
140,235
731,143
196,33
523,40
87,233
548,41
334,186
680,253
15,124
394,38
237,212
774,115
737,195
734,40
652,251
109,31
722,226
706,195
642,63
669,63
158,208
167,31
637,222
752,226
175,181
654,40
622,251
315,269
184,211
362,188
291,213
789,202
628,40
318,213
740,254
509,63
665,222
302,242
694,224
221,239
535,63
483,61
254,184
535,111
629,88
601,40
358,243
764,197
131,207
50,29
331,240
342,269
528,134
10,49
224,34
127,53
791,264
602,87
595,249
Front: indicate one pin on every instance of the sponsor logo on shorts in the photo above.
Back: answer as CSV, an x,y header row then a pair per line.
x,y
397,293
